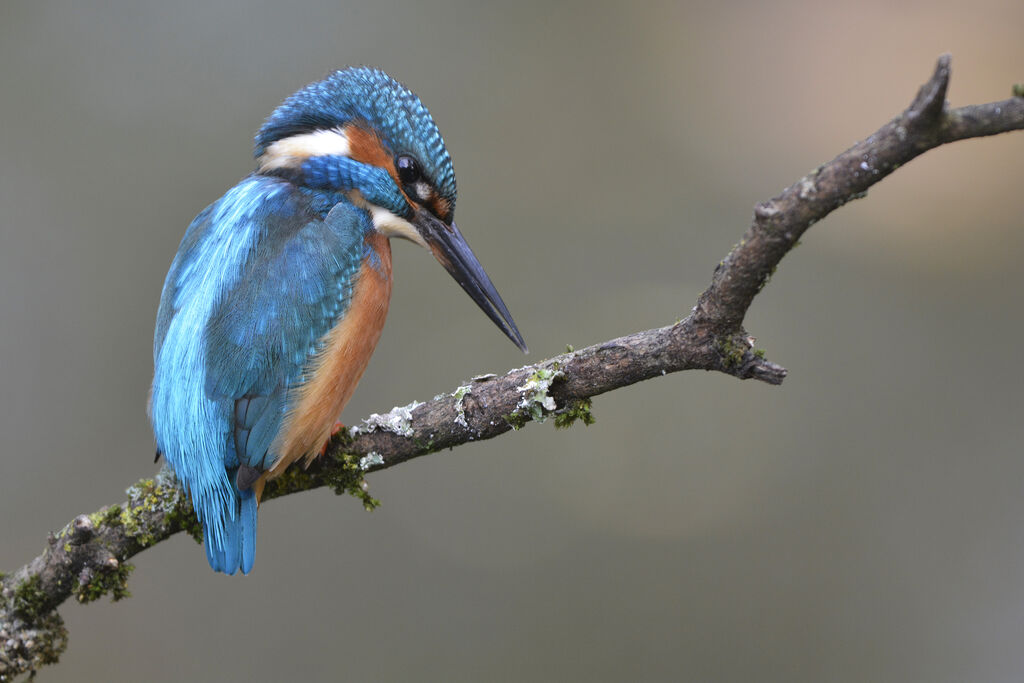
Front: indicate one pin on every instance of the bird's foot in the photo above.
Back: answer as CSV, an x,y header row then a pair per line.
x,y
334,432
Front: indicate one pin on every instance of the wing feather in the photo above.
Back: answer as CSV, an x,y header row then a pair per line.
x,y
263,331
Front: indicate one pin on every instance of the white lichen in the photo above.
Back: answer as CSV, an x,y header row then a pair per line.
x,y
371,459
460,408
397,421
808,187
535,401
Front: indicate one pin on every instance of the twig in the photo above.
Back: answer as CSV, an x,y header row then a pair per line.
x,y
88,557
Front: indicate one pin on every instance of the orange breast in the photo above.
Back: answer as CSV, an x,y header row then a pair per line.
x,y
335,371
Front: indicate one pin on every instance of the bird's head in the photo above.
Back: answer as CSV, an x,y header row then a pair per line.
x,y
361,133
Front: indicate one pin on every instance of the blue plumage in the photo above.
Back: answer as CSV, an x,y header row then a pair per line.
x,y
229,333
251,340
369,95
376,186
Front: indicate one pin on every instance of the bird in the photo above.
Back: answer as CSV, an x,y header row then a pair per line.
x,y
279,290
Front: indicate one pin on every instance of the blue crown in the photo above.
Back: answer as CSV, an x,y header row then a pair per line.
x,y
369,95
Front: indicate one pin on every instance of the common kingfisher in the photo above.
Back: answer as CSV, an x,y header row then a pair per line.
x,y
279,290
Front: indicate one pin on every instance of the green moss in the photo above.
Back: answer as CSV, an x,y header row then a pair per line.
x,y
343,475
184,518
580,410
141,499
515,420
29,597
350,480
35,646
732,352
1018,90
112,579
339,440
109,516
51,640
759,353
292,480
424,445
153,499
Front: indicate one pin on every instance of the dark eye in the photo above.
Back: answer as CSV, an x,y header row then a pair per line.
x,y
408,169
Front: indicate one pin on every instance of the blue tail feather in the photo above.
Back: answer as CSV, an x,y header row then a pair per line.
x,y
235,547
247,519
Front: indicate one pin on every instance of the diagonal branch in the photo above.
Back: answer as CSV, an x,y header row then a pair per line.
x,y
88,557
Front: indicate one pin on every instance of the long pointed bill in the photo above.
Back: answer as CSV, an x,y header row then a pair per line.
x,y
451,250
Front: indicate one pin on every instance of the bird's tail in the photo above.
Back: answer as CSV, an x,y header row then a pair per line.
x,y
230,539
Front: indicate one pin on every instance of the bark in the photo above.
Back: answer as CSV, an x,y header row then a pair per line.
x,y
88,557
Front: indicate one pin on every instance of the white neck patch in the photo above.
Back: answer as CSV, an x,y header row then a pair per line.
x,y
293,151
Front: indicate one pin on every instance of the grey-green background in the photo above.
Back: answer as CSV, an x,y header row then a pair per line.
x,y
865,521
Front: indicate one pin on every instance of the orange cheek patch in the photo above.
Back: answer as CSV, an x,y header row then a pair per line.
x,y
365,147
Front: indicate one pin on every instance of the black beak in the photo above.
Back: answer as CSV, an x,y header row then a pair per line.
x,y
451,250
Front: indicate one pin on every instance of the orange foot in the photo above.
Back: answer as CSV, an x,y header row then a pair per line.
x,y
334,432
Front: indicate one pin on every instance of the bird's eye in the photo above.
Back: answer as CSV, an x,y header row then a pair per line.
x,y
408,169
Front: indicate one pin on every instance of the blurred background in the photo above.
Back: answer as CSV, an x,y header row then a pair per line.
x,y
865,521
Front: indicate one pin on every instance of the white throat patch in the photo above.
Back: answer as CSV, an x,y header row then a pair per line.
x,y
386,222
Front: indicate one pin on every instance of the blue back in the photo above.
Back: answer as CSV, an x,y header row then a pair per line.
x,y
260,276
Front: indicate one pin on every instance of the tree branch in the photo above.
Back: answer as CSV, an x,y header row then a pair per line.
x,y
88,557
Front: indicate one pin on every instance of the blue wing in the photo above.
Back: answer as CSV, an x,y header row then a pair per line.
x,y
263,331
260,277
